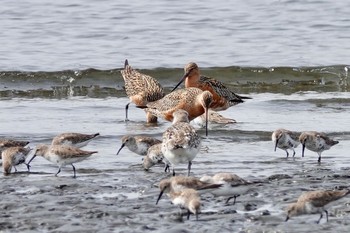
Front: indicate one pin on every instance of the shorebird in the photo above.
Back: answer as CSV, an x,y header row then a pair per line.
x,y
317,142
181,143
193,100
213,119
223,97
141,89
7,143
62,155
179,183
154,156
285,140
73,139
314,202
14,156
232,186
187,199
138,144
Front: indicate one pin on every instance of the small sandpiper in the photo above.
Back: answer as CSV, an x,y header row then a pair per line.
x,y
62,155
181,143
13,156
73,139
314,202
7,143
155,156
232,186
285,140
138,144
317,142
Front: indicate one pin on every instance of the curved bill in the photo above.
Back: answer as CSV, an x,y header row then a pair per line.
x,y
120,148
206,122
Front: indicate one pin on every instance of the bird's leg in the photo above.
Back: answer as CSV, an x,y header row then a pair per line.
x,y
73,171
188,214
319,157
173,171
59,170
318,221
326,214
234,199
287,153
126,111
189,168
293,152
15,168
28,166
167,168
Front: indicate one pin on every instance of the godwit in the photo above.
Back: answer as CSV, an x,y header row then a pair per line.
x,y
141,89
13,156
193,100
62,155
314,203
181,143
285,140
138,144
223,98
214,118
317,142
73,139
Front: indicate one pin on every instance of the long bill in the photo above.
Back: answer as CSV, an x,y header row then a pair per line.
x,y
276,144
206,121
160,196
31,160
121,148
182,79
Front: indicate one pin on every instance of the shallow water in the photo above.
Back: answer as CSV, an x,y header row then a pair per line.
x,y
59,72
113,193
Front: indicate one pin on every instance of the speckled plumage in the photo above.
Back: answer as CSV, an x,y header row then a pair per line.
x,y
14,156
138,144
232,185
285,140
7,143
316,141
192,100
141,88
73,139
154,156
181,143
314,202
62,155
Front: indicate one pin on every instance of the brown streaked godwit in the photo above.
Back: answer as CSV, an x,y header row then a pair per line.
x,y
138,144
13,156
62,155
73,139
181,143
285,140
223,98
232,185
314,202
317,142
141,89
193,100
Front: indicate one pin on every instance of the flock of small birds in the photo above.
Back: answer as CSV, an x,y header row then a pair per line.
x,y
200,99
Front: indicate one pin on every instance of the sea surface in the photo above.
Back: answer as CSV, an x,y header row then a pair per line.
x,y
60,65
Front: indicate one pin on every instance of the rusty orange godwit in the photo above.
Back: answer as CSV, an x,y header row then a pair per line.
x,y
193,100
223,97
